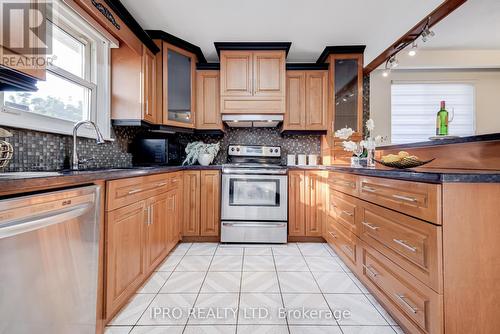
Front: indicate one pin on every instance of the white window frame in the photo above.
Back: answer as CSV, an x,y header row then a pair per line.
x,y
97,78
437,82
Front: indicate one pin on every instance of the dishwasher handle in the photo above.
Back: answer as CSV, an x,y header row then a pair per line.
x,y
30,224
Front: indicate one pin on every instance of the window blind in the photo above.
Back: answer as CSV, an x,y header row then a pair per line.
x,y
414,107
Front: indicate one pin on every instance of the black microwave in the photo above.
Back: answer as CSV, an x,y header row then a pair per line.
x,y
155,151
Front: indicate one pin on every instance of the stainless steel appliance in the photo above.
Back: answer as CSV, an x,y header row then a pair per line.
x,y
49,259
254,196
249,121
155,151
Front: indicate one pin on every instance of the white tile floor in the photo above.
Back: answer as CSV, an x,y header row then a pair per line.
x,y
225,287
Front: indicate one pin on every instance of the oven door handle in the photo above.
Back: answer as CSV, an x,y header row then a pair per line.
x,y
264,225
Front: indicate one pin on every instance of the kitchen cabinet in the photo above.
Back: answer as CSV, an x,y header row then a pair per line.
x,y
201,200
134,86
306,100
252,82
143,219
345,95
178,93
306,202
208,116
125,254
210,202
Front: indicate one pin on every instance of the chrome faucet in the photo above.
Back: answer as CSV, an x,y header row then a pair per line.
x,y
99,140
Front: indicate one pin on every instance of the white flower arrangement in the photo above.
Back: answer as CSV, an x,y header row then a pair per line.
x,y
349,146
197,148
344,133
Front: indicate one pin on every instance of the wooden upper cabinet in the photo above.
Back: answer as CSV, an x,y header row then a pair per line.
x,y
178,86
208,115
316,100
210,203
295,101
149,87
269,73
252,82
236,73
306,100
134,85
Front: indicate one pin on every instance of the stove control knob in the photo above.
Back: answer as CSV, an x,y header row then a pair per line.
x,y
276,150
232,149
237,149
271,150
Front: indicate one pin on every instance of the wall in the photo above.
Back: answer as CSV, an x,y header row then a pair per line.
x,y
486,82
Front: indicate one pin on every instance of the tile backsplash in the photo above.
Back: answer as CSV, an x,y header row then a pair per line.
x,y
290,144
35,150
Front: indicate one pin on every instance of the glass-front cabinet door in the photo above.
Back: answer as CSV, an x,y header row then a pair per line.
x,y
179,68
346,94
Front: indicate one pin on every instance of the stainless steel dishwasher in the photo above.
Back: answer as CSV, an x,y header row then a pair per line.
x,y
49,258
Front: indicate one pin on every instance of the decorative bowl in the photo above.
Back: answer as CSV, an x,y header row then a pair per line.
x,y
405,163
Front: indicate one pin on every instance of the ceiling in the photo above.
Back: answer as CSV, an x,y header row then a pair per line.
x,y
474,25
309,24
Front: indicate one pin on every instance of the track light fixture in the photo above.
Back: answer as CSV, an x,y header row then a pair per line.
x,y
413,51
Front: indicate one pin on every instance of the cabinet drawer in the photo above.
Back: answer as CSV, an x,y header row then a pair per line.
x,y
416,199
414,245
346,183
344,242
342,208
413,300
127,191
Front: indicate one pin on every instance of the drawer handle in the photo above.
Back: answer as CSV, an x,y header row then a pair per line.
x,y
405,198
161,184
133,191
344,182
369,189
348,213
333,235
148,221
402,243
411,308
372,272
370,226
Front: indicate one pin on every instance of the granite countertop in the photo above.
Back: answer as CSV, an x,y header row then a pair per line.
x,y
11,183
418,175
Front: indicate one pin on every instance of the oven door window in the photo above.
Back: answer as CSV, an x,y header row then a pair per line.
x,y
251,192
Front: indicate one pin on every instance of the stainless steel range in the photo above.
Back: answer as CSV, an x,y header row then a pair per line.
x,y
254,195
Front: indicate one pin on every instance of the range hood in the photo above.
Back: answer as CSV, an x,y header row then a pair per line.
x,y
252,121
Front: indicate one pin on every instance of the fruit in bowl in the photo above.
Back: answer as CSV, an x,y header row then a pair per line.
x,y
402,160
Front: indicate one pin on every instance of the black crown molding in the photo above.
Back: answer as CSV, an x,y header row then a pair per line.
x,y
11,80
208,66
343,49
129,20
180,43
306,66
252,46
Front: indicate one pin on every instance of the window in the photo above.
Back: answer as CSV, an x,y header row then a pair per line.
x,y
414,107
77,84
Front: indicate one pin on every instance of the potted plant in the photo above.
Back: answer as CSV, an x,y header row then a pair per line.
x,y
200,152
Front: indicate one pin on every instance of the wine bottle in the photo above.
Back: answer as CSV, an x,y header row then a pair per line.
x,y
442,121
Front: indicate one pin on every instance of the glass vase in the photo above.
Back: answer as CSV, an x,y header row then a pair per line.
x,y
370,158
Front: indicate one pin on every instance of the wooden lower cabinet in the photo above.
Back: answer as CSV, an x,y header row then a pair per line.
x,y
201,203
138,237
125,233
306,203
